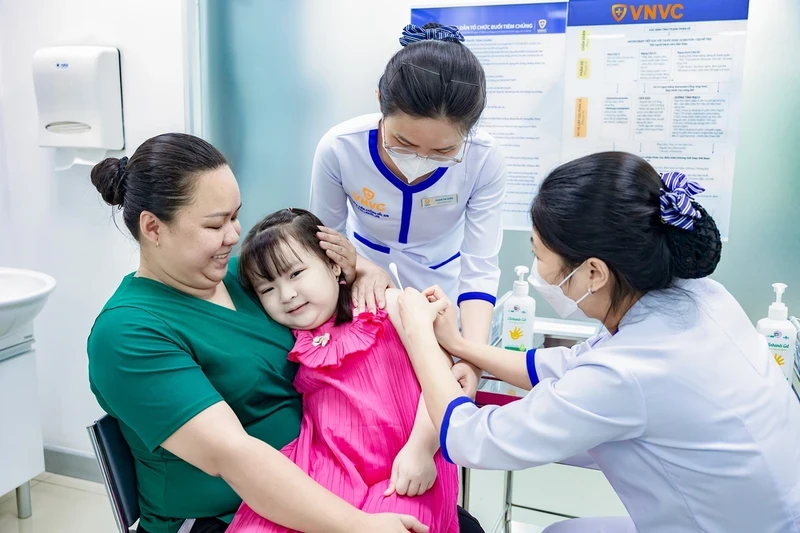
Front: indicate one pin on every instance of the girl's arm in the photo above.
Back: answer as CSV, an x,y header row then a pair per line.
x,y
424,439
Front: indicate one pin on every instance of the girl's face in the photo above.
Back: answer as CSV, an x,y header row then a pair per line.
x,y
306,295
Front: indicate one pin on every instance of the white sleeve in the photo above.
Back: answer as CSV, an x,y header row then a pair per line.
x,y
483,233
328,198
558,419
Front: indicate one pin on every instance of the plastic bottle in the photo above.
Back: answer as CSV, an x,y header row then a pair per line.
x,y
519,313
780,333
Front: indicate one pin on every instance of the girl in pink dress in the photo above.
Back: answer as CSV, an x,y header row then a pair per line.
x,y
363,435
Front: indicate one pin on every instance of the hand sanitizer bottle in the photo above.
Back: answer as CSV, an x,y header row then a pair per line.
x,y
519,312
780,333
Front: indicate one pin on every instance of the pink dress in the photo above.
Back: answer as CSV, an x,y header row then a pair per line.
x,y
360,398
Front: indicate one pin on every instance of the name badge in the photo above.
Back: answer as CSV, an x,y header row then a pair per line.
x,y
438,201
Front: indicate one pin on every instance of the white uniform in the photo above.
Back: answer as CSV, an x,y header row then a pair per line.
x,y
683,409
445,230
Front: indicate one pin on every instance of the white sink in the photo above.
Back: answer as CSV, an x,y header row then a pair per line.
x,y
23,294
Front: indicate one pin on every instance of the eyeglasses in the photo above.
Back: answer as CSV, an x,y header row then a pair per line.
x,y
403,152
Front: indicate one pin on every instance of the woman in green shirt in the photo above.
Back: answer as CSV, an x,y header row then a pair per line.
x,y
191,366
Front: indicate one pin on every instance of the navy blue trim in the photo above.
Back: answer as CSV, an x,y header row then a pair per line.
x,y
530,362
443,263
368,244
407,190
485,296
461,400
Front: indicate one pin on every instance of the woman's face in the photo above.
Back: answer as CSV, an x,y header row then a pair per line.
x,y
306,295
425,136
194,249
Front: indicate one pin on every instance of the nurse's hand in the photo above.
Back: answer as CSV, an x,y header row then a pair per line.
x,y
340,250
446,324
466,378
369,289
387,523
417,312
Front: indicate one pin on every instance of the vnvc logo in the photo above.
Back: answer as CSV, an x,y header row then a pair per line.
x,y
654,12
366,199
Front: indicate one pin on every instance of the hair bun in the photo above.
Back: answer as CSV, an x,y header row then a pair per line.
x,y
108,177
696,253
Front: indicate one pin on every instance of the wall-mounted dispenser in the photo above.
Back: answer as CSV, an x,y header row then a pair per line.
x,y
79,96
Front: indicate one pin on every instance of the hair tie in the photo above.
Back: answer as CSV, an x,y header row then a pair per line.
x,y
413,34
123,164
676,200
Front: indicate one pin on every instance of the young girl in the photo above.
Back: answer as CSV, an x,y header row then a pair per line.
x,y
364,435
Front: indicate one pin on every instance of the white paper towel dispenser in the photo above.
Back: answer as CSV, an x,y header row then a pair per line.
x,y
79,96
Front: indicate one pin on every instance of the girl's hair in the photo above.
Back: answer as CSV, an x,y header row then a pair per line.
x,y
264,258
608,206
434,76
160,177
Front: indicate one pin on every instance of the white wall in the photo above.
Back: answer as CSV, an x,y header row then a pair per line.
x,y
55,221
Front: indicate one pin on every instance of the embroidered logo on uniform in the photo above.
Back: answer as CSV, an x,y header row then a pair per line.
x,y
437,201
365,202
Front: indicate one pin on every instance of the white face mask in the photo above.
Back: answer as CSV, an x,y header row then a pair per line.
x,y
565,306
414,167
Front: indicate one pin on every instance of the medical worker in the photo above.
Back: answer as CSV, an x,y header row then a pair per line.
x,y
418,184
680,403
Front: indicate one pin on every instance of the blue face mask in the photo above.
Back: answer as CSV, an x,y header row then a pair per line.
x,y
565,306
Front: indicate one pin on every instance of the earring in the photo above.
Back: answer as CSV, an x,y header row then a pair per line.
x,y
156,243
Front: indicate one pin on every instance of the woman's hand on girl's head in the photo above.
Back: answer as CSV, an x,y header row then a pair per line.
x,y
340,250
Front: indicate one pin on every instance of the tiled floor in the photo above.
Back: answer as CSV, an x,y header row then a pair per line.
x,y
60,505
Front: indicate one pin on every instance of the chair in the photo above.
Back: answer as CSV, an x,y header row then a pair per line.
x,y
117,468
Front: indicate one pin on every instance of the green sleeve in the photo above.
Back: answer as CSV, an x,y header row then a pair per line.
x,y
144,374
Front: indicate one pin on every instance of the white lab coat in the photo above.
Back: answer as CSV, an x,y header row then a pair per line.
x,y
683,409
446,230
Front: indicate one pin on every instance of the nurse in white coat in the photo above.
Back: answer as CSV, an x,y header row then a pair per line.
x,y
418,184
681,405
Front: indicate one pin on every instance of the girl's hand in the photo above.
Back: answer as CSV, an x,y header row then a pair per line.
x,y
413,471
340,250
446,324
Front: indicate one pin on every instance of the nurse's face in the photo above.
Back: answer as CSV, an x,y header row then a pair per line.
x,y
306,295
194,249
425,136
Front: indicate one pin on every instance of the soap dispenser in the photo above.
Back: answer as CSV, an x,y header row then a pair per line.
x,y
780,333
519,312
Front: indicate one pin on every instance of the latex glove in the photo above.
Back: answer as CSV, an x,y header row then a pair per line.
x,y
413,471
340,250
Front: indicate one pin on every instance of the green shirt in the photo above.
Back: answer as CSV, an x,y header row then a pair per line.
x,y
158,357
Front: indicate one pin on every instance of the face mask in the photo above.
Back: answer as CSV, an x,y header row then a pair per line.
x,y
565,306
414,167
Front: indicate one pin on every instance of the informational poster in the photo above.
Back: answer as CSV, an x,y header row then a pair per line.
x,y
660,80
521,48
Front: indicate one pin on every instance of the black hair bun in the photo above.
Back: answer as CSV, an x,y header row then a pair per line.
x,y
696,253
108,177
